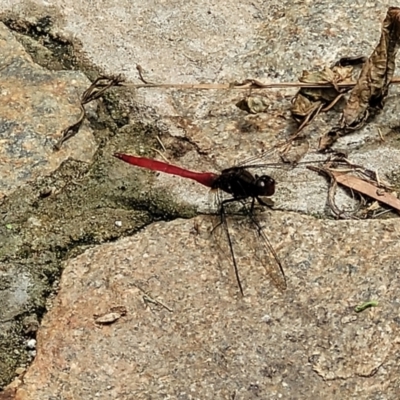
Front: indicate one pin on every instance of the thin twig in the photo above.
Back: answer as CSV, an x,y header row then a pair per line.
x,y
161,143
72,130
140,71
249,84
161,154
378,181
95,91
307,120
379,214
150,299
333,184
380,135
333,103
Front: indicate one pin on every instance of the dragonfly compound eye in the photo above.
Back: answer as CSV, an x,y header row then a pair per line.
x,y
266,185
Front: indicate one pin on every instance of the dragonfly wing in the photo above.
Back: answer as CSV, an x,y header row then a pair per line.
x,y
221,238
285,156
243,244
225,240
266,255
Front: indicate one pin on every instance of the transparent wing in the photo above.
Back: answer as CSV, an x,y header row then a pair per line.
x,y
243,245
266,255
280,156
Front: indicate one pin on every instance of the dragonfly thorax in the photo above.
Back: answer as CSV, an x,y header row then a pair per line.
x,y
240,183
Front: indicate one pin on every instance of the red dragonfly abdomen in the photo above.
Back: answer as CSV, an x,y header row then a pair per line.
x,y
205,178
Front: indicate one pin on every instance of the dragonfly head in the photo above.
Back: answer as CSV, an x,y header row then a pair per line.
x,y
265,185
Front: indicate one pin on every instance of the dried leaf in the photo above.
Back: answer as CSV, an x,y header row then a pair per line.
x,y
303,107
329,138
253,104
308,100
367,188
358,179
372,86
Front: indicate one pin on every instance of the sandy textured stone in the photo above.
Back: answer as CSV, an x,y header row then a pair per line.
x,y
307,342
35,106
220,42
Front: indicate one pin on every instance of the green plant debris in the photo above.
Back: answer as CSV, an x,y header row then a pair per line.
x,y
365,305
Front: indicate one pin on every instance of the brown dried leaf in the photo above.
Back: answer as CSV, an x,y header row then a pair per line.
x,y
358,179
309,102
372,86
366,188
334,76
373,83
303,107
329,138
253,104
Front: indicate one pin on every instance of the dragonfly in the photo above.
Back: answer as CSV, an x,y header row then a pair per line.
x,y
245,188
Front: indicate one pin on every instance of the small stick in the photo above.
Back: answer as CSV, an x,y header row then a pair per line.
x,y
161,154
309,118
380,135
161,143
333,103
249,84
148,298
140,70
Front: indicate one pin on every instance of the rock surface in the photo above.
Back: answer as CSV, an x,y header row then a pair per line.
x,y
177,327
36,104
225,42
188,335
